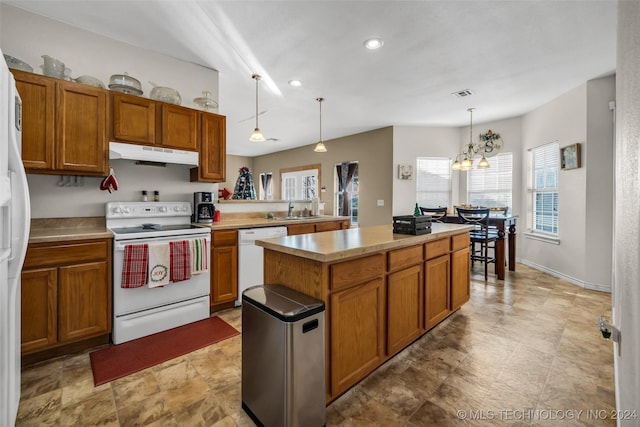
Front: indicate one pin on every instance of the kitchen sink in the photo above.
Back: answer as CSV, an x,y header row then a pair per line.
x,y
293,218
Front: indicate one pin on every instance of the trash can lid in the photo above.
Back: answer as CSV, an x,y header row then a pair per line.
x,y
285,303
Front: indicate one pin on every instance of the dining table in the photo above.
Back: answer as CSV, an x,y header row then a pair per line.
x,y
506,226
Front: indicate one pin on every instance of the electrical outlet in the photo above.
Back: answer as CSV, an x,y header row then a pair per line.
x,y
380,203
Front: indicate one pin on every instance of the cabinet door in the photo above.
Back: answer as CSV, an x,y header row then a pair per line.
x,y
134,119
38,114
224,274
436,272
84,301
404,308
460,291
39,307
179,127
213,148
357,333
81,125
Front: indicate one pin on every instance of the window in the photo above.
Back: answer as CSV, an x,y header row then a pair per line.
x,y
347,183
300,183
543,186
492,187
433,182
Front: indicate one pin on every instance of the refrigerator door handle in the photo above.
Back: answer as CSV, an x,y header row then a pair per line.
x,y
20,208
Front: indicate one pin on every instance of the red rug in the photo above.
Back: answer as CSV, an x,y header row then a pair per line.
x,y
120,360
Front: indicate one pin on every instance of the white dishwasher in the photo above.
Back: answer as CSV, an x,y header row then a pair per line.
x,y
250,256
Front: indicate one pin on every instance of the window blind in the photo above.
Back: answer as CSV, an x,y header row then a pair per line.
x,y
433,182
492,187
544,163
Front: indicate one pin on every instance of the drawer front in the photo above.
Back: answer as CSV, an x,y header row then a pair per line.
x,y
328,226
460,241
437,248
225,238
56,255
357,271
404,257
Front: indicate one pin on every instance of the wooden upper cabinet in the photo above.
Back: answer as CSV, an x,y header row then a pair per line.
x,y
213,149
38,119
81,124
64,126
134,119
179,127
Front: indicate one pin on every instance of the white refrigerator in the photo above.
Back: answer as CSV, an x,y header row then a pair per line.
x,y
15,218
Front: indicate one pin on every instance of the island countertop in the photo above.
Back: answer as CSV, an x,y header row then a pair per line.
x,y
343,244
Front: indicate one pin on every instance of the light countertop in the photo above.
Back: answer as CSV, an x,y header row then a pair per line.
x,y
231,223
336,245
47,230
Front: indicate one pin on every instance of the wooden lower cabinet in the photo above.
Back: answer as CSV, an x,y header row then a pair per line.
x,y
295,229
405,320
437,284
460,280
357,333
306,228
66,294
224,269
39,309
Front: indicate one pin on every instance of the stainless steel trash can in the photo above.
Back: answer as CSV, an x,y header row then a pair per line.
x,y
283,363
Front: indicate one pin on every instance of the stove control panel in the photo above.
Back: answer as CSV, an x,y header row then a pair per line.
x,y
116,210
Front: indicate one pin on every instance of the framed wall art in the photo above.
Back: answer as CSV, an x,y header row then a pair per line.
x,y
405,171
570,157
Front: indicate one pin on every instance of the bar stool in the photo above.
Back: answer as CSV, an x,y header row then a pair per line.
x,y
480,235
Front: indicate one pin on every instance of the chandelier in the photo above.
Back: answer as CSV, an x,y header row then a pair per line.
x,y
485,145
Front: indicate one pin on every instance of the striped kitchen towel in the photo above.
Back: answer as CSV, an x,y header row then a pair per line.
x,y
158,264
134,266
199,255
180,260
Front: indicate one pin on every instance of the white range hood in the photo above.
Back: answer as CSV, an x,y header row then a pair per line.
x,y
119,150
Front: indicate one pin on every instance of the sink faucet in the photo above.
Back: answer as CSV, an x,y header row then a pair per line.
x,y
290,211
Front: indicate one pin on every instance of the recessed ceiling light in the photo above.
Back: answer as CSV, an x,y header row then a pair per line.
x,y
295,83
373,43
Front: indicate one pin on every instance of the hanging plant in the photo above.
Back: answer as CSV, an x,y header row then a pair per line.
x,y
490,141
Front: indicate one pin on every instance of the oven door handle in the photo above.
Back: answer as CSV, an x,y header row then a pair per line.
x,y
119,246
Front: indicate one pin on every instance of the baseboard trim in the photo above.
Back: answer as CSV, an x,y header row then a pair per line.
x,y
570,279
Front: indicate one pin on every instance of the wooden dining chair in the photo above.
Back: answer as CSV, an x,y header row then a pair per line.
x,y
482,239
437,214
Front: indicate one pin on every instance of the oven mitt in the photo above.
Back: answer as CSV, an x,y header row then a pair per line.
x,y
110,182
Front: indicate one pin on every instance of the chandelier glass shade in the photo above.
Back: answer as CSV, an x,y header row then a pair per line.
x,y
257,135
320,148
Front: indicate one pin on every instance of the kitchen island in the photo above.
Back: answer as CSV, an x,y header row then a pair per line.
x,y
382,291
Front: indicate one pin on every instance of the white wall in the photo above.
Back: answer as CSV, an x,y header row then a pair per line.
x,y
626,296
583,255
28,36
410,142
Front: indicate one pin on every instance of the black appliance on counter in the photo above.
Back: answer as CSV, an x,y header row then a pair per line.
x,y
203,207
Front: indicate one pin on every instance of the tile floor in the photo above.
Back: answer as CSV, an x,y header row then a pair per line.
x,y
523,351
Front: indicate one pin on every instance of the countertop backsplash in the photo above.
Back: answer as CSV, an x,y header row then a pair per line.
x,y
49,200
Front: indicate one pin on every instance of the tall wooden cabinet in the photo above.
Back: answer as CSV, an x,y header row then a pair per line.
x,y
66,293
224,268
64,126
213,148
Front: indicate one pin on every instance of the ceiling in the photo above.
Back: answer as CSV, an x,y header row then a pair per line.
x,y
512,55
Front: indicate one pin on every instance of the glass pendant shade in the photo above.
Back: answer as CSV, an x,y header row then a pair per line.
x,y
466,164
456,166
257,136
483,163
320,148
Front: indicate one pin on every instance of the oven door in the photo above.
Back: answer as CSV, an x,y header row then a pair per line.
x,y
131,300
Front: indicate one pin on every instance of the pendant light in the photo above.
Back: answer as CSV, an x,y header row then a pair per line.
x,y
320,148
257,135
